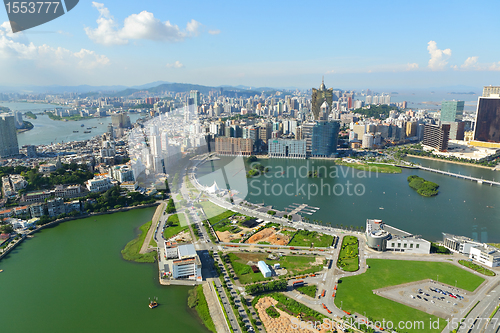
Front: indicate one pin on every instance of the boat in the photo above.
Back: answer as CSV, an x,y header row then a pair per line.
x,y
153,303
381,208
89,128
75,131
94,126
86,132
82,125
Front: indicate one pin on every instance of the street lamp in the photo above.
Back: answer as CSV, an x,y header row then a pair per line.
x,y
340,305
438,278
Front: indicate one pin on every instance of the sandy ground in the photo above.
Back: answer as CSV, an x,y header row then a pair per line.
x,y
282,324
184,236
268,235
227,236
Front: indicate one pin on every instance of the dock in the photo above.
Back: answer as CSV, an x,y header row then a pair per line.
x,y
302,208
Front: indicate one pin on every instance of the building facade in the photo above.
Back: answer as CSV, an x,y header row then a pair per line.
x,y
319,96
452,111
487,127
233,146
382,237
287,148
436,136
8,136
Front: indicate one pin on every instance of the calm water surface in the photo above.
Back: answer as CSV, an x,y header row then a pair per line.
x,y
462,207
72,278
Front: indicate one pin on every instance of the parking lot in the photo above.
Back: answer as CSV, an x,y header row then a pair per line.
x,y
428,296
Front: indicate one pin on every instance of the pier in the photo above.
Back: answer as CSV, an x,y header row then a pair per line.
x,y
457,175
297,208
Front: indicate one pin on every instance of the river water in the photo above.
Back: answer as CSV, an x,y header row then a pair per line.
x,y
47,131
351,196
72,278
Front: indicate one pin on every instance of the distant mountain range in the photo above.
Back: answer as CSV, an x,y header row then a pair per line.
x,y
152,88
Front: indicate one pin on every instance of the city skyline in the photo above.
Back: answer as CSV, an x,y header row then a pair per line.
x,y
258,45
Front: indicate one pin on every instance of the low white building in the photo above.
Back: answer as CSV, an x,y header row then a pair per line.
x,y
99,184
485,255
182,261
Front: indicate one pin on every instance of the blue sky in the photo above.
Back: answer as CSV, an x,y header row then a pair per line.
x,y
354,44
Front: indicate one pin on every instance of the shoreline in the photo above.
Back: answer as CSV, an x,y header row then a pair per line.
x,y
454,162
66,219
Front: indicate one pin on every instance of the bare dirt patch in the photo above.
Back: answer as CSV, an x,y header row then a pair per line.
x,y
282,324
269,235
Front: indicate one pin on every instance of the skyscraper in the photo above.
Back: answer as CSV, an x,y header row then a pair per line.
x,y
318,97
436,136
325,138
195,95
452,111
8,136
487,127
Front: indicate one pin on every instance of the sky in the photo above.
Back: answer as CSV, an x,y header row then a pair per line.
x,y
354,44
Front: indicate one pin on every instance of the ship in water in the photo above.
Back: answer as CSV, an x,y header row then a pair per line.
x,y
75,131
82,125
86,132
153,303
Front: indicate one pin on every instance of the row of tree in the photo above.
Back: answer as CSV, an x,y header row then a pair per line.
x,y
256,288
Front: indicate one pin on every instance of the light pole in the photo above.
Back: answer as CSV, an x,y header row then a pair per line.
x,y
438,278
340,305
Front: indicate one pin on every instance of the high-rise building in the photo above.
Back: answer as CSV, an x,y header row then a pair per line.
x,y
452,111
8,136
195,95
318,97
491,91
325,136
487,129
436,136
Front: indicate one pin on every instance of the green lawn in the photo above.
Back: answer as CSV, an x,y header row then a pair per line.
x,y
212,209
311,239
293,264
179,225
356,295
348,256
131,250
197,300
477,268
308,290
372,167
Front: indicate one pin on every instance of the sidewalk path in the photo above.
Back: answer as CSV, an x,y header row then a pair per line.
x,y
159,210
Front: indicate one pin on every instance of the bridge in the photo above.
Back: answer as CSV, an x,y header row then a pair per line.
x,y
457,175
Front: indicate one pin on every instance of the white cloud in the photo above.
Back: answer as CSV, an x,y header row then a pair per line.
x,y
214,32
439,58
470,62
495,66
45,55
412,66
176,64
330,72
137,26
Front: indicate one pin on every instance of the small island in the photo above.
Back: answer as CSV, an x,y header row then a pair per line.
x,y
256,170
30,115
423,187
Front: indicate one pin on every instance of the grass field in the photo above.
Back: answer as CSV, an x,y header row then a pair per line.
x,y
356,295
311,239
308,290
293,264
179,225
348,256
211,209
477,268
372,167
197,300
131,250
